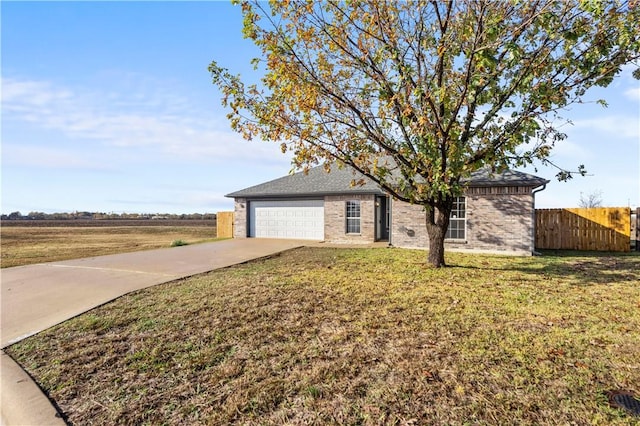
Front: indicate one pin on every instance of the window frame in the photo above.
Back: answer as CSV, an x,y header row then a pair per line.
x,y
352,222
458,217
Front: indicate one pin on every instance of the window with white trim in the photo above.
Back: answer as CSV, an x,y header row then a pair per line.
x,y
353,217
458,220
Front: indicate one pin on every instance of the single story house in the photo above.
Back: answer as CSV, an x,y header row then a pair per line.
x,y
495,214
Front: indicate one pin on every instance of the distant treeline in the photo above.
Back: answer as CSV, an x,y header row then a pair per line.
x,y
93,223
89,216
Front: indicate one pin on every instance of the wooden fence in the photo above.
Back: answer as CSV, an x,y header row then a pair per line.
x,y
635,229
225,225
597,229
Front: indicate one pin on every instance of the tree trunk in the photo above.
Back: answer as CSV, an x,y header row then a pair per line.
x,y
437,225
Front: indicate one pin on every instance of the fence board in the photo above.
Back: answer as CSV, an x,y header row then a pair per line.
x,y
224,224
635,229
595,229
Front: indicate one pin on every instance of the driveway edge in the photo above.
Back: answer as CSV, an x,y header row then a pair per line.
x,y
23,402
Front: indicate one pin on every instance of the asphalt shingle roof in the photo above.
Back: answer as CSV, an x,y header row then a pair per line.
x,y
317,182
484,177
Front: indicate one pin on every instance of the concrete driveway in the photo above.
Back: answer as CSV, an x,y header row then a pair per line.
x,y
37,297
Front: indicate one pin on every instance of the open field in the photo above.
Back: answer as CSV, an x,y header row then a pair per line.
x,y
36,244
94,223
356,336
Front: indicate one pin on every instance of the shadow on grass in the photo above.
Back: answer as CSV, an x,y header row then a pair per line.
x,y
581,268
597,254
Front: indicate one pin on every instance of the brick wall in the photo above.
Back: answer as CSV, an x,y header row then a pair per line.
x,y
335,217
498,220
408,227
240,218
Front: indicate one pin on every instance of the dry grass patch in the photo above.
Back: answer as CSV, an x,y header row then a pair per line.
x,y
31,244
355,336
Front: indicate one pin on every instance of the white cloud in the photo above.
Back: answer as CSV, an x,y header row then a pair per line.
x,y
195,200
569,149
618,126
633,94
50,158
18,95
145,115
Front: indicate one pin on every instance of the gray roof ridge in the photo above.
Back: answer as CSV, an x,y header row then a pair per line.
x,y
317,182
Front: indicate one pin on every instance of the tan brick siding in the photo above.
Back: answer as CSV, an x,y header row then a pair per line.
x,y
335,217
408,227
500,223
495,222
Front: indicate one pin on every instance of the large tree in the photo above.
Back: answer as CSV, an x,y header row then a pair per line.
x,y
442,87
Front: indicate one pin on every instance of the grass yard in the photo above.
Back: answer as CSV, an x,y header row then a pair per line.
x,y
356,337
26,245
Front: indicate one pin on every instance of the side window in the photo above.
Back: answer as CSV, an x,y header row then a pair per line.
x,y
458,220
353,217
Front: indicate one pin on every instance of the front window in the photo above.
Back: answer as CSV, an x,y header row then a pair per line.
x,y
457,220
353,217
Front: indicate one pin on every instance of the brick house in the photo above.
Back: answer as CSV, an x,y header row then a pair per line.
x,y
496,213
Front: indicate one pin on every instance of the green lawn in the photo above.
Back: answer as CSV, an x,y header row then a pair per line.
x,y
356,336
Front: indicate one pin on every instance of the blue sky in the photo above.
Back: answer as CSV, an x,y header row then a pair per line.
x,y
108,106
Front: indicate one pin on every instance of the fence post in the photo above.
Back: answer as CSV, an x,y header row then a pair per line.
x,y
637,233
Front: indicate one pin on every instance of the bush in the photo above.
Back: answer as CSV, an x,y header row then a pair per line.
x,y
178,243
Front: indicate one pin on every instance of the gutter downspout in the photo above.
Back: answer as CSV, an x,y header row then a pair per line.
x,y
533,237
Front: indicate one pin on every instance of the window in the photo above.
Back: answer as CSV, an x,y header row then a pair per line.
x,y
353,217
457,221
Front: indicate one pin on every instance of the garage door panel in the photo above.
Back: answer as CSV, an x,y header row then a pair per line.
x,y
299,219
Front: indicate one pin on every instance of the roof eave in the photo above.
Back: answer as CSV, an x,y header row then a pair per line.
x,y
304,194
527,183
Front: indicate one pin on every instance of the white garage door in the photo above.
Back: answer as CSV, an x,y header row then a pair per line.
x,y
296,219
